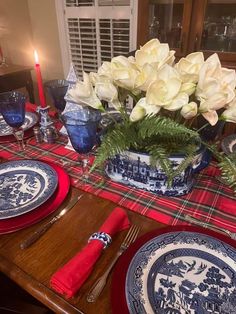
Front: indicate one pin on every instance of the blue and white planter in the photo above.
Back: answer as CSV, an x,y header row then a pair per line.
x,y
132,168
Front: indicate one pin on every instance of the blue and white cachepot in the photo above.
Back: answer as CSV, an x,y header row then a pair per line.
x,y
134,169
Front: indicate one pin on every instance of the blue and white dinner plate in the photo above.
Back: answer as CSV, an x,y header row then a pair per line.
x,y
24,185
182,272
31,119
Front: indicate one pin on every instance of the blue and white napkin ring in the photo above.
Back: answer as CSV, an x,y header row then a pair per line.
x,y
101,236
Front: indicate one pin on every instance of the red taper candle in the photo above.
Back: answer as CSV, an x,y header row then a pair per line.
x,y
39,81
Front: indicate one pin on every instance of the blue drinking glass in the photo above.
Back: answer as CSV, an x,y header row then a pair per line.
x,y
81,125
12,108
57,90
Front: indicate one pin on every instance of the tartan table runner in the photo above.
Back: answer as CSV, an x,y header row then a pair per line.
x,y
210,201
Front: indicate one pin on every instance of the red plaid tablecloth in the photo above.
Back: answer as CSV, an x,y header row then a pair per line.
x,y
210,201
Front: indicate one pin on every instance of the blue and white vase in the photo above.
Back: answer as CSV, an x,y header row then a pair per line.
x,y
134,169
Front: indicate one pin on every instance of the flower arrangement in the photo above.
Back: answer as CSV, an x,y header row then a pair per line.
x,y
169,97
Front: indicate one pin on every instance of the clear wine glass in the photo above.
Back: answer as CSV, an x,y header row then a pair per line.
x,y
12,108
82,125
57,90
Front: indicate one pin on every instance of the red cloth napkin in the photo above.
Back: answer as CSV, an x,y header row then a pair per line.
x,y
68,279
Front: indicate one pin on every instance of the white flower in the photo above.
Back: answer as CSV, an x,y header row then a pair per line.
x,y
210,69
190,66
108,92
162,91
147,75
178,102
229,114
216,85
188,88
211,117
155,53
142,108
137,113
83,93
214,102
96,78
105,70
124,73
189,110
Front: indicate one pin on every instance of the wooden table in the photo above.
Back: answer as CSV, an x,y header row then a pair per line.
x,y
32,268
16,76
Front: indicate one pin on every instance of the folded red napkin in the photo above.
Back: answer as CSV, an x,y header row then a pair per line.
x,y
68,279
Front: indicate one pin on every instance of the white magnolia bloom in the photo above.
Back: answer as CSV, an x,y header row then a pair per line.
x,y
83,93
142,108
108,92
229,114
96,78
210,69
211,117
147,75
137,113
178,102
153,52
93,77
188,88
216,85
124,73
105,70
214,102
162,91
189,110
189,67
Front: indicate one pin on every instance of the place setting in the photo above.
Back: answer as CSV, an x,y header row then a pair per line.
x,y
30,191
176,270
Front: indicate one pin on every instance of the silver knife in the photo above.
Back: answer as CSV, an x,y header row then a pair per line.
x,y
42,229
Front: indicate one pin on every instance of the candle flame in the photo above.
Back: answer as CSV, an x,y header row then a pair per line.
x,y
36,57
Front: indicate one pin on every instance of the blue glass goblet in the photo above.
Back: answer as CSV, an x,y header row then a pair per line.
x,y
12,108
81,125
57,90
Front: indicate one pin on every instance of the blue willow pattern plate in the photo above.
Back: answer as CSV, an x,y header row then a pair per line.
x,y
31,119
182,272
24,185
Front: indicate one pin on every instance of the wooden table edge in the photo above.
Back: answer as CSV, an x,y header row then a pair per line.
x,y
31,285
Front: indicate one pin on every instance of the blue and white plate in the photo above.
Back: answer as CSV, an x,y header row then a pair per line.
x,y
24,185
31,119
182,272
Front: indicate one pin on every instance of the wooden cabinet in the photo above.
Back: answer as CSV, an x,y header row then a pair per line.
x,y
191,25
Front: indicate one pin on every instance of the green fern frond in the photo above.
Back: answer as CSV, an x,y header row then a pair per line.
x,y
190,155
228,170
114,142
163,126
160,155
227,165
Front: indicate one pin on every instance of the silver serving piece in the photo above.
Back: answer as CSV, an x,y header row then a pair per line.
x,y
209,226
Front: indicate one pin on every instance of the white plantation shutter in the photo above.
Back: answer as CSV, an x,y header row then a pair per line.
x,y
97,30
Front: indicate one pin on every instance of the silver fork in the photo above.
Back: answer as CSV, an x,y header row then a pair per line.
x,y
101,282
209,226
